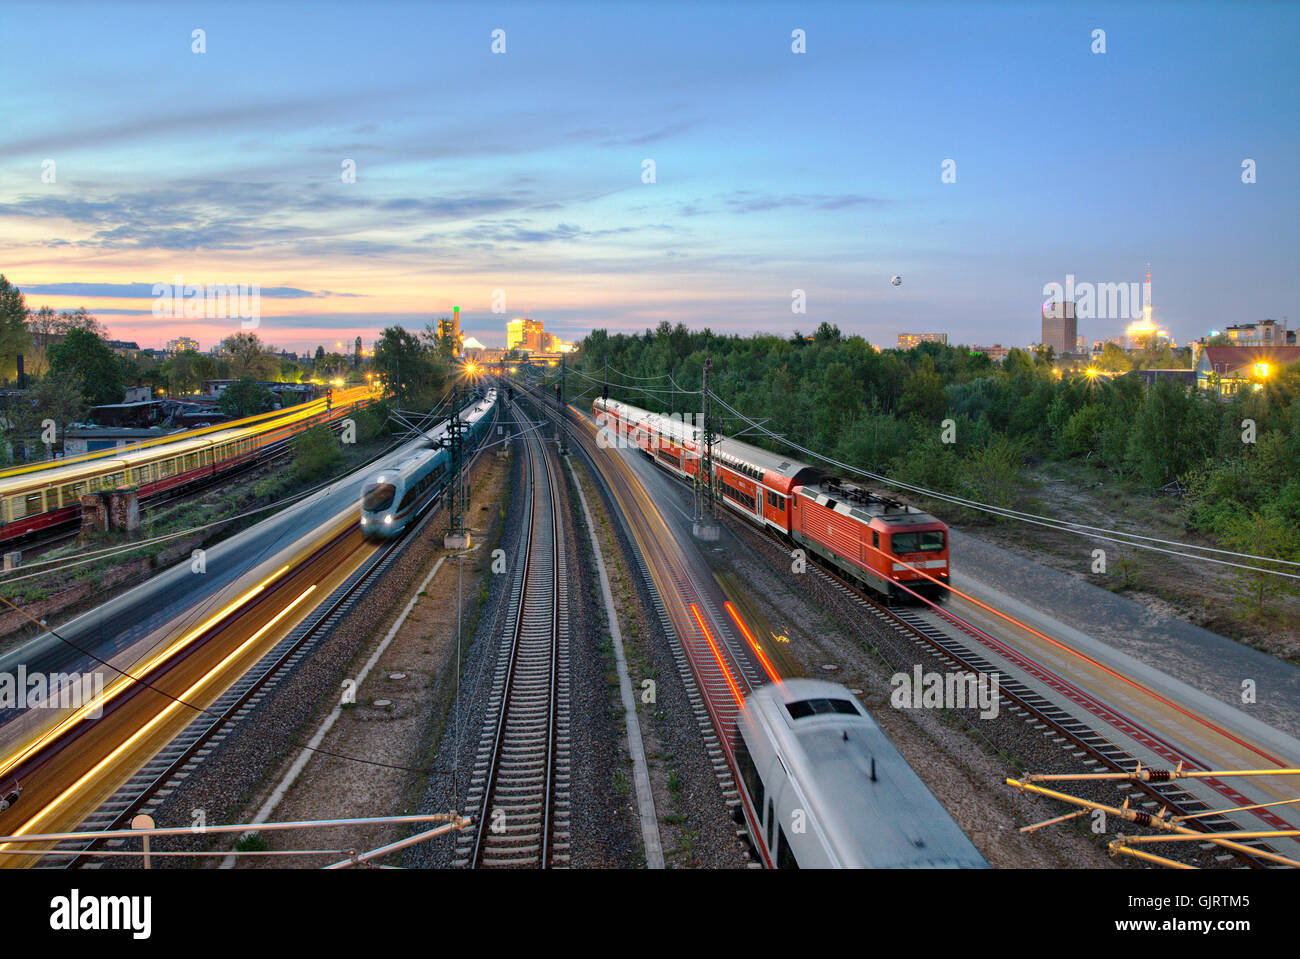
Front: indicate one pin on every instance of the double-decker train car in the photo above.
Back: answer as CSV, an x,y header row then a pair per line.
x,y
401,491
829,789
891,548
35,500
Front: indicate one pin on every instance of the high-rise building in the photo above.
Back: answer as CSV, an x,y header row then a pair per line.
x,y
907,341
1060,326
525,333
514,334
181,344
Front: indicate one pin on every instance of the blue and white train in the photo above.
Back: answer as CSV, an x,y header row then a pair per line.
x,y
401,491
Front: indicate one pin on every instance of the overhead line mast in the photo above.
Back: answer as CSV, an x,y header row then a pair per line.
x,y
705,526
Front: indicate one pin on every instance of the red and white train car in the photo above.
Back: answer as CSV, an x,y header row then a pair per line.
x,y
879,542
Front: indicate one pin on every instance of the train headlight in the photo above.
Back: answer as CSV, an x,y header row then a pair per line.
x,y
388,519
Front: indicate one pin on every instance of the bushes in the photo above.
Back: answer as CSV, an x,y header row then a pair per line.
x,y
316,453
881,409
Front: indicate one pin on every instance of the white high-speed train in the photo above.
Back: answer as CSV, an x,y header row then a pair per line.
x,y
400,491
831,791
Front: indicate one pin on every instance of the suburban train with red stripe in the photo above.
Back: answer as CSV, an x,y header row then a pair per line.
x,y
887,546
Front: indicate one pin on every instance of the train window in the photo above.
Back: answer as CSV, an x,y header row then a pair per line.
x,y
813,707
732,493
784,855
929,541
377,496
771,823
34,503
72,493
166,468
749,772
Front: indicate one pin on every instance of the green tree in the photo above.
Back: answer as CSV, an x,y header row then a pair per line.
x,y
84,355
57,397
249,359
923,392
408,369
15,340
245,397
1263,533
316,453
993,471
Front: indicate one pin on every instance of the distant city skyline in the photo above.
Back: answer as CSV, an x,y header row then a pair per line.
x,y
513,181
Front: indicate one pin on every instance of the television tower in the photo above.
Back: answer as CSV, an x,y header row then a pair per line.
x,y
1146,297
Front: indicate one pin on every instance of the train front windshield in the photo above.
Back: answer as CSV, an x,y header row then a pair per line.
x,y
377,497
929,541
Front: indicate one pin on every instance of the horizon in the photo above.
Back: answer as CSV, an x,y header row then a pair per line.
x,y
485,177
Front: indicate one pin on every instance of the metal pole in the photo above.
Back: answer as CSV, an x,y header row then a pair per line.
x,y
560,423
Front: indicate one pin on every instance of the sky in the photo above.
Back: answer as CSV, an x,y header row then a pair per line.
x,y
505,182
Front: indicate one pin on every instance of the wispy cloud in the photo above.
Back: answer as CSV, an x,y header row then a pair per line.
x,y
140,291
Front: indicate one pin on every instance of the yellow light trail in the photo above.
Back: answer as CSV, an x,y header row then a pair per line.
x,y
123,682
176,704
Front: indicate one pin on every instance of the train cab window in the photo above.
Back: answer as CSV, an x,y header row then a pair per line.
x,y
377,496
816,707
784,856
929,541
875,538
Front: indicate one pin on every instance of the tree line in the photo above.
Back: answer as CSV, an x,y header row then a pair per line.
x,y
1233,460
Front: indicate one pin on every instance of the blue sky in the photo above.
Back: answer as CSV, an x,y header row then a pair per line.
x,y
521,172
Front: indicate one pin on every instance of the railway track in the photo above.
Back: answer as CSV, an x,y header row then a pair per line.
x,y
155,780
1084,742
179,758
715,668
521,778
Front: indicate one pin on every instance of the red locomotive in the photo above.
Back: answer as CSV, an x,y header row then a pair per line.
x,y
870,538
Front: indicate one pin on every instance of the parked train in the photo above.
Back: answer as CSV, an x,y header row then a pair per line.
x,y
873,539
401,491
37,500
829,789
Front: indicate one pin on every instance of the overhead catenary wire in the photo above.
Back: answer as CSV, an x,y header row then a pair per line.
x,y
1116,536
1120,537
81,558
209,711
